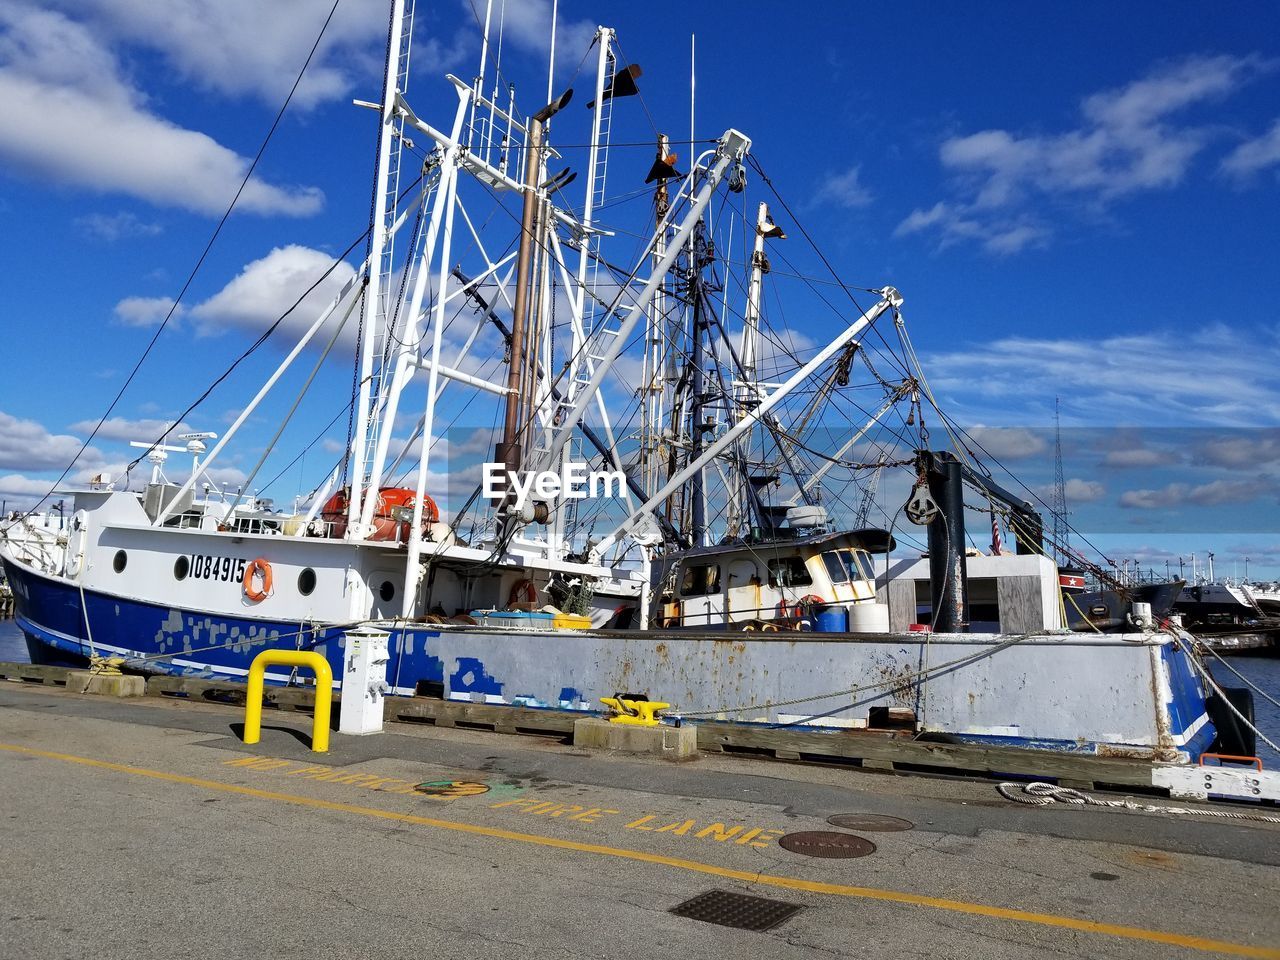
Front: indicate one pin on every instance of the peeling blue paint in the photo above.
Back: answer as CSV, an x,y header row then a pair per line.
x,y
470,677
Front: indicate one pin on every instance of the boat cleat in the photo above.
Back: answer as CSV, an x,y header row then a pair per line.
x,y
638,713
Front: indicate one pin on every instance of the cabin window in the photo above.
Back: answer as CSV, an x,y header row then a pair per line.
x,y
846,565
789,572
743,573
837,566
120,561
306,582
181,567
860,566
700,580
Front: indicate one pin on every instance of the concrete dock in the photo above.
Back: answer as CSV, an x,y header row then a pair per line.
x,y
145,828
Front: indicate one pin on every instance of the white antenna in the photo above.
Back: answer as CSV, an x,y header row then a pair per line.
x,y
693,83
157,454
551,64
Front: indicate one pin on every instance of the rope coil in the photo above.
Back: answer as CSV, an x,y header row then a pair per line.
x,y
1040,794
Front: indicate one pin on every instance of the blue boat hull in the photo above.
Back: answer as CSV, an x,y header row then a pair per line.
x,y
159,639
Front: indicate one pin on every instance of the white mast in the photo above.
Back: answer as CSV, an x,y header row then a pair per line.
x,y
376,314
747,390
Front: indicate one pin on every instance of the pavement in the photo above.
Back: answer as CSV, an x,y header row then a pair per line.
x,y
147,829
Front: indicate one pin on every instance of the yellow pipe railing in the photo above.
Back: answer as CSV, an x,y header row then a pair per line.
x,y
324,693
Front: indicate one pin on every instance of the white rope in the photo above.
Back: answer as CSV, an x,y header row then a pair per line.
x,y
84,611
1200,669
1248,682
1040,794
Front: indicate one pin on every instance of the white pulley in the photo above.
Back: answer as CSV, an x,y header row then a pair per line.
x,y
920,508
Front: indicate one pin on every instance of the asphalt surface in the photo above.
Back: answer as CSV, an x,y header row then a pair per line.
x,y
146,829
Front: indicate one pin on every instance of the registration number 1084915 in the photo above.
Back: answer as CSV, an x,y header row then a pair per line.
x,y
206,567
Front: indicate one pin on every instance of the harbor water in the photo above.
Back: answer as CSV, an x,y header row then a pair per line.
x,y
13,647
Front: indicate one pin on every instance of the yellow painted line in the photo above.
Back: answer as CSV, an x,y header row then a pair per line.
x,y
747,876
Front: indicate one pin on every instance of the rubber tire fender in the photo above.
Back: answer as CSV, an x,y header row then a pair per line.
x,y
1234,738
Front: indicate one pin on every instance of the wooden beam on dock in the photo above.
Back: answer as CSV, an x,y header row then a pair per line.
x,y
888,751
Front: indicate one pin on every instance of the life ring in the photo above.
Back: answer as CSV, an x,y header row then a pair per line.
x,y
523,591
806,605
261,568
803,607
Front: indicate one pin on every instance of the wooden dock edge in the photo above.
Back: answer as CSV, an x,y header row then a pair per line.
x,y
885,751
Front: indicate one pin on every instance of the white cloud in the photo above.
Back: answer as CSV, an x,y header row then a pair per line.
x,y
267,287
844,189
1077,491
56,76
1254,155
1129,142
143,430
119,226
1008,443
1212,494
1215,375
27,445
1137,457
145,311
17,485
1253,449
245,47
1084,491
954,224
1168,496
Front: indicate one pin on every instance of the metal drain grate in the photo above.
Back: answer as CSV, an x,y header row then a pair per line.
x,y
739,910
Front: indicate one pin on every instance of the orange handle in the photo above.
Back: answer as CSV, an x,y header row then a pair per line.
x,y
1227,756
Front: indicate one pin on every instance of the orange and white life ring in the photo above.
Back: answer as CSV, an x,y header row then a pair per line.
x,y
804,607
523,591
258,568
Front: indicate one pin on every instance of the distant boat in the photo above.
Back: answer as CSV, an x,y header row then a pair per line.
x,y
1110,609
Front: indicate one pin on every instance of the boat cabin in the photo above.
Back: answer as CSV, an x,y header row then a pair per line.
x,y
776,584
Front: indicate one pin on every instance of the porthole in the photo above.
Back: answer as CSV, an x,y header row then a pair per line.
x,y
181,567
120,562
306,582
387,590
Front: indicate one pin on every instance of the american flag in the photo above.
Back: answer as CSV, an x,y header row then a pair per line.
x,y
996,547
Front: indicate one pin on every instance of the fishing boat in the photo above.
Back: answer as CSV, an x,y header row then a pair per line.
x,y
686,545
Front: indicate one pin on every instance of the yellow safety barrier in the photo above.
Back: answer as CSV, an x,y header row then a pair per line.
x,y
324,693
638,713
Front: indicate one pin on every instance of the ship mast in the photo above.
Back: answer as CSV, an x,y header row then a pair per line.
x,y
368,420
518,399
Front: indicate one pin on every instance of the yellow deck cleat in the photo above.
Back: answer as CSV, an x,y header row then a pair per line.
x,y
639,713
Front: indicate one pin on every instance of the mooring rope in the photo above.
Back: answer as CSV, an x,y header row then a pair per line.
x,y
1039,794
1204,673
888,685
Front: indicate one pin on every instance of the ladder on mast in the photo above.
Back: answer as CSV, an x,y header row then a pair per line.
x,y
382,308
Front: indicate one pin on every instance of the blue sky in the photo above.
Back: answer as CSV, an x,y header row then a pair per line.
x,y
1076,201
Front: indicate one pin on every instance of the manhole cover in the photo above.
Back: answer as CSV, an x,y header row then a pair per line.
x,y
870,822
826,843
451,789
739,910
